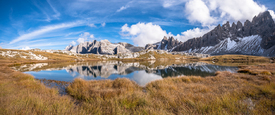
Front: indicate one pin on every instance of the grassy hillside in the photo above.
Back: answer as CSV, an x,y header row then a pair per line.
x,y
9,56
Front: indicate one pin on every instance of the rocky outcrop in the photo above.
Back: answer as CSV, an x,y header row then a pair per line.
x,y
1,47
152,46
165,44
252,38
131,47
98,47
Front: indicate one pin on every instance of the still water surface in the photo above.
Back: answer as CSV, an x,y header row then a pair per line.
x,y
140,72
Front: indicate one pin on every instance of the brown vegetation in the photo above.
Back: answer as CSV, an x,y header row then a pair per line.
x,y
261,69
236,58
225,93
22,94
52,57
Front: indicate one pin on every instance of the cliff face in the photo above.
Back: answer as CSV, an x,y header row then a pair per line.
x,y
103,47
252,38
98,47
165,44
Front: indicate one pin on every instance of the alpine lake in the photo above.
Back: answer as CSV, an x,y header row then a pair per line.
x,y
60,75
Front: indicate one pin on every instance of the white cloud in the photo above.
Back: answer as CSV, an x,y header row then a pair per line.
x,y
92,25
57,14
170,3
122,8
103,24
73,43
45,29
212,12
197,11
148,33
237,9
85,34
192,33
81,40
85,37
143,33
92,36
272,14
26,48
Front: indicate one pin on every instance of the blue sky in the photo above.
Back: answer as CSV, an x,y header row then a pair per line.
x,y
54,24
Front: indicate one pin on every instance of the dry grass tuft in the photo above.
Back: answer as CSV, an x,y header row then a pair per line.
x,y
104,89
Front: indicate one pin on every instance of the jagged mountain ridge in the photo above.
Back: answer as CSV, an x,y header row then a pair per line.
x,y
165,44
103,47
252,38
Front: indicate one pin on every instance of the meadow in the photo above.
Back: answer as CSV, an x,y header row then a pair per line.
x,y
224,93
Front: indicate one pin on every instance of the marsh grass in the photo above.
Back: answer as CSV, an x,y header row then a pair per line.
x,y
225,93
22,94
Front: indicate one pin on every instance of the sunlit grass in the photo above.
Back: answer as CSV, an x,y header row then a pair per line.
x,y
225,93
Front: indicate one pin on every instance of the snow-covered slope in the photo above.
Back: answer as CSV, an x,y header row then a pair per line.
x,y
248,45
251,38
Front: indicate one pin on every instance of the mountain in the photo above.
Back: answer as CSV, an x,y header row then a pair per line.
x,y
131,47
98,47
165,44
103,47
0,47
252,38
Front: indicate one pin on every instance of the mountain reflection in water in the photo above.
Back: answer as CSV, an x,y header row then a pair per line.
x,y
141,73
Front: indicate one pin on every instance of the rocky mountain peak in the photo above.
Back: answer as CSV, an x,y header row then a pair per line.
x,y
239,25
69,47
264,17
234,25
261,25
103,47
226,25
164,44
164,38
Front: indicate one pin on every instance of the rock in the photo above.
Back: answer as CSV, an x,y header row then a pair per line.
x,y
121,49
152,46
1,47
98,47
165,44
248,36
131,47
249,103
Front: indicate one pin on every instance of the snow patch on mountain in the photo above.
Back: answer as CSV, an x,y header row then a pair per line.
x,y
230,44
247,45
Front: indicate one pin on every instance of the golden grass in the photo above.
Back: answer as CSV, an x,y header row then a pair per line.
x,y
236,58
164,56
22,94
225,93
52,57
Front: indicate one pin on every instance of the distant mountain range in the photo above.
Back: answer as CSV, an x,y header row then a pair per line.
x,y
252,38
103,47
